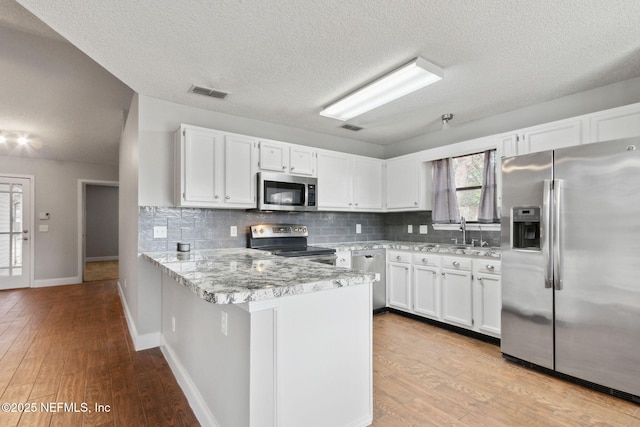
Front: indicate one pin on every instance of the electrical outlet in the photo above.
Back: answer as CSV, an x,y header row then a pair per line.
x,y
43,228
173,323
224,323
160,232
358,228
409,228
424,229
234,231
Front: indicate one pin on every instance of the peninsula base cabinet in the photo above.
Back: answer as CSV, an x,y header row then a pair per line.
x,y
298,360
459,290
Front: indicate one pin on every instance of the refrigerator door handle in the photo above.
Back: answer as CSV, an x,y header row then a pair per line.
x,y
547,233
557,212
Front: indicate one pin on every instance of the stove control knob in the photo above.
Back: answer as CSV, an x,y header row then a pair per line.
x,y
261,230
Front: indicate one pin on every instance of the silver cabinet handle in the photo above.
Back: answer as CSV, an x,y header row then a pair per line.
x,y
426,261
350,204
356,204
292,168
415,203
25,238
456,264
216,197
228,197
490,267
398,257
284,168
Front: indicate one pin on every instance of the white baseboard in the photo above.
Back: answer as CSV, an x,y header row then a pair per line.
x,y
197,403
43,283
101,258
140,342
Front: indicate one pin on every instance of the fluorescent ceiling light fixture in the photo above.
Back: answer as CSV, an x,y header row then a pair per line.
x,y
410,77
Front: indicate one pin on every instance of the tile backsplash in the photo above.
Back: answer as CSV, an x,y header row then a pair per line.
x,y
210,228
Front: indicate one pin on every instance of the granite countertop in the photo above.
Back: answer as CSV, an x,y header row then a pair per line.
x,y
414,246
234,276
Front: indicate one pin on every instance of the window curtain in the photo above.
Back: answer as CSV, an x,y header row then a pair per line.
x,y
488,209
445,203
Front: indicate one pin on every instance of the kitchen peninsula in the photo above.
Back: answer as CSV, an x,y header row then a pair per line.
x,y
260,340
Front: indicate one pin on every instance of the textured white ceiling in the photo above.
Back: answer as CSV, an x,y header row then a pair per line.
x,y
283,60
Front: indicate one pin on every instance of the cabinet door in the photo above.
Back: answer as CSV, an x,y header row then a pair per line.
x,y
367,184
240,182
334,181
457,305
274,156
621,122
566,133
200,156
399,286
343,259
403,184
426,291
489,296
302,161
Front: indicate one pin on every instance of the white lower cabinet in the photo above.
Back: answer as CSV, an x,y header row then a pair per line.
x,y
399,280
343,259
487,297
458,290
426,286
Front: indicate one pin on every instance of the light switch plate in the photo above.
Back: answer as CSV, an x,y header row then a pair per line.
x,y
409,228
234,231
358,228
160,232
424,229
43,228
44,216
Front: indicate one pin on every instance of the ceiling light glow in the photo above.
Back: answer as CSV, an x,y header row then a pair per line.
x,y
408,78
22,140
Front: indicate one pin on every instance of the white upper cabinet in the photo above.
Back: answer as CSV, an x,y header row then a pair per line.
x,y
292,159
347,182
334,181
408,184
621,122
560,134
302,160
274,156
214,169
367,184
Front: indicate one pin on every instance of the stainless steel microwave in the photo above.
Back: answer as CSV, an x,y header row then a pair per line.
x,y
280,192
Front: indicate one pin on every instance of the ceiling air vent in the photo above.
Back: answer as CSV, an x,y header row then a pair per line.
x,y
199,90
351,127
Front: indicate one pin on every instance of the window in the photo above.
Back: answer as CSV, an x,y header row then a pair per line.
x,y
468,171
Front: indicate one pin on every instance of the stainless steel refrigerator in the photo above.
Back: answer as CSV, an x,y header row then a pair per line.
x,y
571,262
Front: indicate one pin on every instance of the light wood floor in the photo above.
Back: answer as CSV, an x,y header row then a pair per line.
x,y
71,344
100,270
427,376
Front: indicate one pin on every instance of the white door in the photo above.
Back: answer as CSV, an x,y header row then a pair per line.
x,y
273,156
334,181
302,161
399,286
15,233
426,288
457,297
240,182
367,184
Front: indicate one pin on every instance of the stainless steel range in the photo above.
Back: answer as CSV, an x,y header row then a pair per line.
x,y
289,240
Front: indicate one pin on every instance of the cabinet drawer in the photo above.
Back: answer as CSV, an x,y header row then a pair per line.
x,y
426,259
456,263
395,256
488,267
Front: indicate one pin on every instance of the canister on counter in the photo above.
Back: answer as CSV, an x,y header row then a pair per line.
x,y
184,247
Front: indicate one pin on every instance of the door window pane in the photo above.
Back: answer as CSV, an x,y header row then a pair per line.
x,y
5,212
4,251
17,212
16,256
16,188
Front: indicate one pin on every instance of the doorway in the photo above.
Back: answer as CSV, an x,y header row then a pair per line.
x,y
99,231
16,221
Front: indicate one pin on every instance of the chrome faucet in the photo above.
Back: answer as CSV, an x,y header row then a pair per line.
x,y
463,227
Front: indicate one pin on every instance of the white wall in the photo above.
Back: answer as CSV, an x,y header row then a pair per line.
x,y
128,215
160,119
56,192
101,222
602,98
